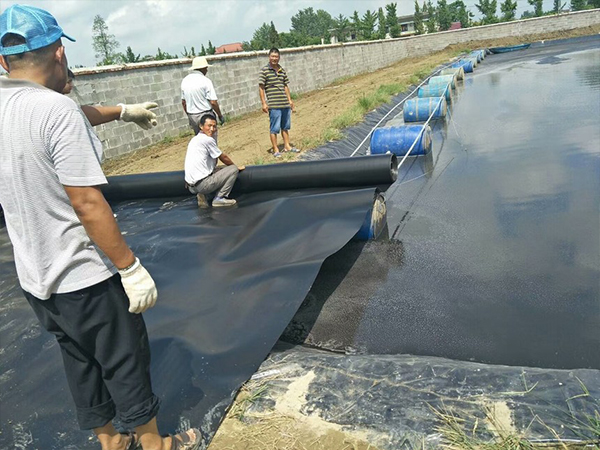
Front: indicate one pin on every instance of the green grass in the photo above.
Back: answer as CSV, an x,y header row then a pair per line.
x,y
332,134
167,140
353,115
245,401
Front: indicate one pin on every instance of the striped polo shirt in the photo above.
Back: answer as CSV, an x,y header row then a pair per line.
x,y
46,143
274,82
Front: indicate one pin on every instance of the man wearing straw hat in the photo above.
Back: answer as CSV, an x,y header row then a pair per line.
x,y
198,95
78,274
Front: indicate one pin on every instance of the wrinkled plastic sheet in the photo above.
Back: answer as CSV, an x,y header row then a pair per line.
x,y
397,402
229,281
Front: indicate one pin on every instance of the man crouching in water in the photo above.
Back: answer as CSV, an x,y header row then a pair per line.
x,y
202,177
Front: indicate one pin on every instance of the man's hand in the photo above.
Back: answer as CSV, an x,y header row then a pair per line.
x,y
292,106
240,168
140,114
222,120
139,287
265,108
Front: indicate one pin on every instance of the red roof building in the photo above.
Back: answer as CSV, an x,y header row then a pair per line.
x,y
229,48
455,26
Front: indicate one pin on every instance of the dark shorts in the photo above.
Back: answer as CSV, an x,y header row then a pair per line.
x,y
280,119
105,352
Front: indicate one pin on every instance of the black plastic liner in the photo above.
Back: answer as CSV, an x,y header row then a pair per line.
x,y
376,170
229,281
494,243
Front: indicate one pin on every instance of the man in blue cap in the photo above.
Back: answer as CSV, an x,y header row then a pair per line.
x,y
77,272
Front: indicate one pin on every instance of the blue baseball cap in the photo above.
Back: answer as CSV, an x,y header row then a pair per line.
x,y
38,27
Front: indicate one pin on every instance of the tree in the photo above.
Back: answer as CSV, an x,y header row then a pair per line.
x,y
341,27
292,39
430,11
538,7
488,9
509,10
459,13
381,24
356,26
419,29
202,50
210,50
264,38
578,5
368,25
188,54
558,6
129,56
160,55
443,15
391,18
308,27
104,43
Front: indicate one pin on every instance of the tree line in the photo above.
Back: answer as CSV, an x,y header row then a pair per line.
x,y
106,48
310,27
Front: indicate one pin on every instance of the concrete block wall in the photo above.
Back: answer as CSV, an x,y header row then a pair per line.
x,y
236,75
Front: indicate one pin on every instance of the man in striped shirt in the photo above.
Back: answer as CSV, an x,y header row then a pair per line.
x,y
277,101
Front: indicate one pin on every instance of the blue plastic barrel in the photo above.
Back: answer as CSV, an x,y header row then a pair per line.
x,y
458,72
477,55
443,80
398,140
419,109
435,91
466,65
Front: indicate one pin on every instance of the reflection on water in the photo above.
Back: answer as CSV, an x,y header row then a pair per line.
x,y
502,237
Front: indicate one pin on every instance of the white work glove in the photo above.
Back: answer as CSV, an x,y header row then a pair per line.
x,y
140,114
139,287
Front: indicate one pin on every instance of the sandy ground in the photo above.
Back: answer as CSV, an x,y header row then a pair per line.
x,y
246,140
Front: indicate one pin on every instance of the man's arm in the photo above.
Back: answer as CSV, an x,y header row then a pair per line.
x,y
289,97
97,218
184,104
228,162
97,115
263,98
215,107
139,113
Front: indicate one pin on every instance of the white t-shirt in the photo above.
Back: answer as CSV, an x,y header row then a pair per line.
x,y
197,90
201,158
47,142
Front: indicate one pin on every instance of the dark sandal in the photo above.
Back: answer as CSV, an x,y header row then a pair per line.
x,y
183,441
133,442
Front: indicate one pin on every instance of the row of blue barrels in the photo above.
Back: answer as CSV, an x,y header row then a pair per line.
x,y
469,62
431,100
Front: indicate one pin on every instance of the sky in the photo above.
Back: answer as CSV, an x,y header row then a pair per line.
x,y
172,25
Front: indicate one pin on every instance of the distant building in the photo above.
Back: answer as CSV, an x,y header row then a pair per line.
x,y
407,24
455,26
229,48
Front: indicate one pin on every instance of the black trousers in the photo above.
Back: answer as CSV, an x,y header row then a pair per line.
x,y
105,352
